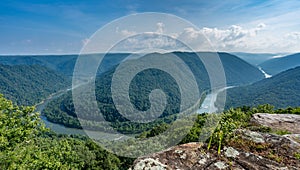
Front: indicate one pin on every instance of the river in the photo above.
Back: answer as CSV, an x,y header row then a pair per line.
x,y
60,129
265,74
207,106
54,126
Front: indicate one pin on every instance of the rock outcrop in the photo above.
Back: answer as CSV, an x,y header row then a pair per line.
x,y
246,150
288,122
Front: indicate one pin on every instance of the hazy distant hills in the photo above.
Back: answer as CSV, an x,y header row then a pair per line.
x,y
281,90
61,63
27,85
65,64
254,58
277,65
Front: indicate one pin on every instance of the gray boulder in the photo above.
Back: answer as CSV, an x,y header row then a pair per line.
x,y
288,122
246,150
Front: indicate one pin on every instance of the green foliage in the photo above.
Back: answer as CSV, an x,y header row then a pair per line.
x,y
58,153
282,132
274,156
154,131
281,91
297,155
63,64
266,108
28,85
193,135
277,65
62,111
288,110
263,129
230,120
26,144
17,124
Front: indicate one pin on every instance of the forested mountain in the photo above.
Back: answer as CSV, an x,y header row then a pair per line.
x,y
282,90
238,72
254,58
277,65
28,85
55,62
61,63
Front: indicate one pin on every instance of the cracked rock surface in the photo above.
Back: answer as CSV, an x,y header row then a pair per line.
x,y
247,149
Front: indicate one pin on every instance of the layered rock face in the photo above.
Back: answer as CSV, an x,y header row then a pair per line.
x,y
288,122
246,150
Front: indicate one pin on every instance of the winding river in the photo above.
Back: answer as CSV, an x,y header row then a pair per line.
x,y
207,106
54,126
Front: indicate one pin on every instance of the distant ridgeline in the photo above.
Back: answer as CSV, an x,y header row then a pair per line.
x,y
63,64
26,80
277,65
281,90
61,110
28,85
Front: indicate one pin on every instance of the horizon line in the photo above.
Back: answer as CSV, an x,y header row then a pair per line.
x,y
69,54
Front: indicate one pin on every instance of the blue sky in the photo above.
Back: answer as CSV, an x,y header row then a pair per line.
x,y
59,27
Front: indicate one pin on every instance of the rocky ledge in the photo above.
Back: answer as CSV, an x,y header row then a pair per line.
x,y
246,150
288,122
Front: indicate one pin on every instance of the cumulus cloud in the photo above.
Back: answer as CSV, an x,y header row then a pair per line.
x,y
126,33
221,39
148,41
234,36
156,39
259,38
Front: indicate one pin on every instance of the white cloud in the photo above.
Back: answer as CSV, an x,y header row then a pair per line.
x,y
230,39
127,33
148,41
258,38
233,33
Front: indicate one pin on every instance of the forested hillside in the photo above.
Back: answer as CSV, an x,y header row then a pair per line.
x,y
28,85
282,90
277,65
63,64
238,72
60,63
26,144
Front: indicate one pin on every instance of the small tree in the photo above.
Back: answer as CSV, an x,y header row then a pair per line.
x,y
17,124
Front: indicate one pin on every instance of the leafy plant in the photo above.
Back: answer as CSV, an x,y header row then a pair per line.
x,y
230,120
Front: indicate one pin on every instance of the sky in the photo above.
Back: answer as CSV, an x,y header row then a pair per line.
x,y
63,27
